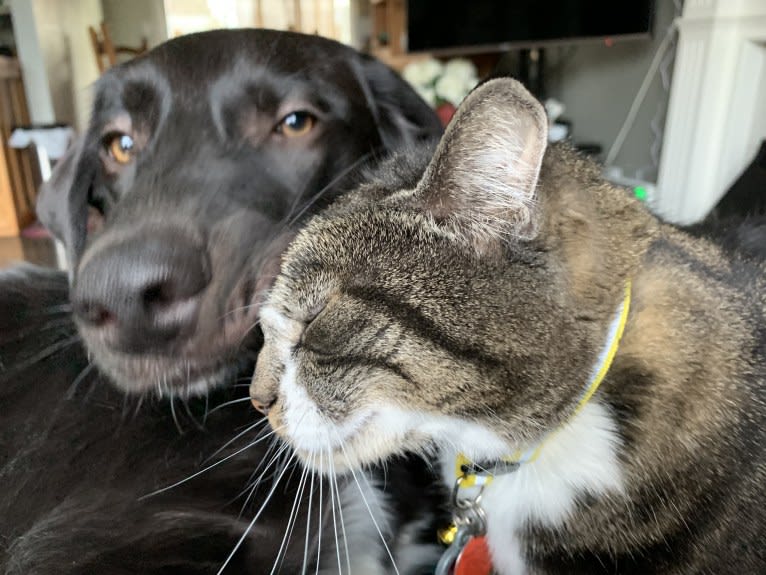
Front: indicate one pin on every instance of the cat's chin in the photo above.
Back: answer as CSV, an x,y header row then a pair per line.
x,y
374,437
370,444
352,456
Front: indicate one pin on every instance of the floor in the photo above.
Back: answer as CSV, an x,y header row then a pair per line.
x,y
39,251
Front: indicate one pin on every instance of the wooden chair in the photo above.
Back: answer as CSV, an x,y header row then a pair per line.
x,y
19,170
104,48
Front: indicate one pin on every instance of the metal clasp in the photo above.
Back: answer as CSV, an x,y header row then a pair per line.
x,y
471,522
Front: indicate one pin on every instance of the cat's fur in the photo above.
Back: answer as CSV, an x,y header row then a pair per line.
x,y
464,310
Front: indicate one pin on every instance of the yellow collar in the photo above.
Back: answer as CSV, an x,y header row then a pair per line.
x,y
470,474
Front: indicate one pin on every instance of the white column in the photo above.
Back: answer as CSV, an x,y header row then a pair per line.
x,y
717,110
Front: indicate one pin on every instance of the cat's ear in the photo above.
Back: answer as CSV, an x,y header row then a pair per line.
x,y
483,175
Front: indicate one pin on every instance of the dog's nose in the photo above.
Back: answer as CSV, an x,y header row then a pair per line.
x,y
143,292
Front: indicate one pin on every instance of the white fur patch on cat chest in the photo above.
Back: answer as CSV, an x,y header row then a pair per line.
x,y
582,457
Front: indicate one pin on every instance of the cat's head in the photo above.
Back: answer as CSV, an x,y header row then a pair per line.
x,y
466,309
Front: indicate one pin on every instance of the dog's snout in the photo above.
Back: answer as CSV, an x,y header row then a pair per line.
x,y
142,292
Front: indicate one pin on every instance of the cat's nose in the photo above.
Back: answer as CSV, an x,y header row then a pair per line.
x,y
263,402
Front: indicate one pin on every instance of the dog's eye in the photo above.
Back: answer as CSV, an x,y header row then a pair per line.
x,y
120,148
296,124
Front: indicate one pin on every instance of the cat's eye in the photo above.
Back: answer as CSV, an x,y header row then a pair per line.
x,y
313,313
120,147
308,319
296,124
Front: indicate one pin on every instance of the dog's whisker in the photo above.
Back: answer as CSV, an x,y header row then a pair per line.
x,y
78,380
42,355
55,309
252,523
315,198
139,403
187,409
175,417
22,334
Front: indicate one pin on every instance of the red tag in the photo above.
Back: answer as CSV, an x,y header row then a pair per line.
x,y
474,559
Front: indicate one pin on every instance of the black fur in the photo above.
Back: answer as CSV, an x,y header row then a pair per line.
x,y
77,455
163,291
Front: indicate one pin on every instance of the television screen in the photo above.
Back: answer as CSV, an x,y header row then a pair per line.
x,y
435,25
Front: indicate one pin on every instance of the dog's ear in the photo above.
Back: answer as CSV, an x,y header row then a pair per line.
x,y
403,117
62,204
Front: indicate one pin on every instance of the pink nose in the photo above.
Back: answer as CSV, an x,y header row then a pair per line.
x,y
260,407
263,403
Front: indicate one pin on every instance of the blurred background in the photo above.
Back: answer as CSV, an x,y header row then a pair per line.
x,y
668,95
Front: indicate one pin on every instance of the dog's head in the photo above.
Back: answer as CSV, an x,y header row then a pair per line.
x,y
199,157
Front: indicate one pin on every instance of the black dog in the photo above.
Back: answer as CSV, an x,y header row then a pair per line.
x,y
197,157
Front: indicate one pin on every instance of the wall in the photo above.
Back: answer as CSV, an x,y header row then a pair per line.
x,y
56,54
32,62
57,58
130,21
598,83
78,15
716,113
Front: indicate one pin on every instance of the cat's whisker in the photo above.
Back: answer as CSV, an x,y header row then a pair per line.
x,y
233,439
340,513
283,462
205,469
248,330
308,518
238,309
303,486
254,520
275,443
228,403
364,499
253,486
320,519
290,522
331,476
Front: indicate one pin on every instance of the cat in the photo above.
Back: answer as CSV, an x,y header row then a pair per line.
x,y
525,325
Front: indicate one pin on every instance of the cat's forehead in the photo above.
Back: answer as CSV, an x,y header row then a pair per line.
x,y
340,249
